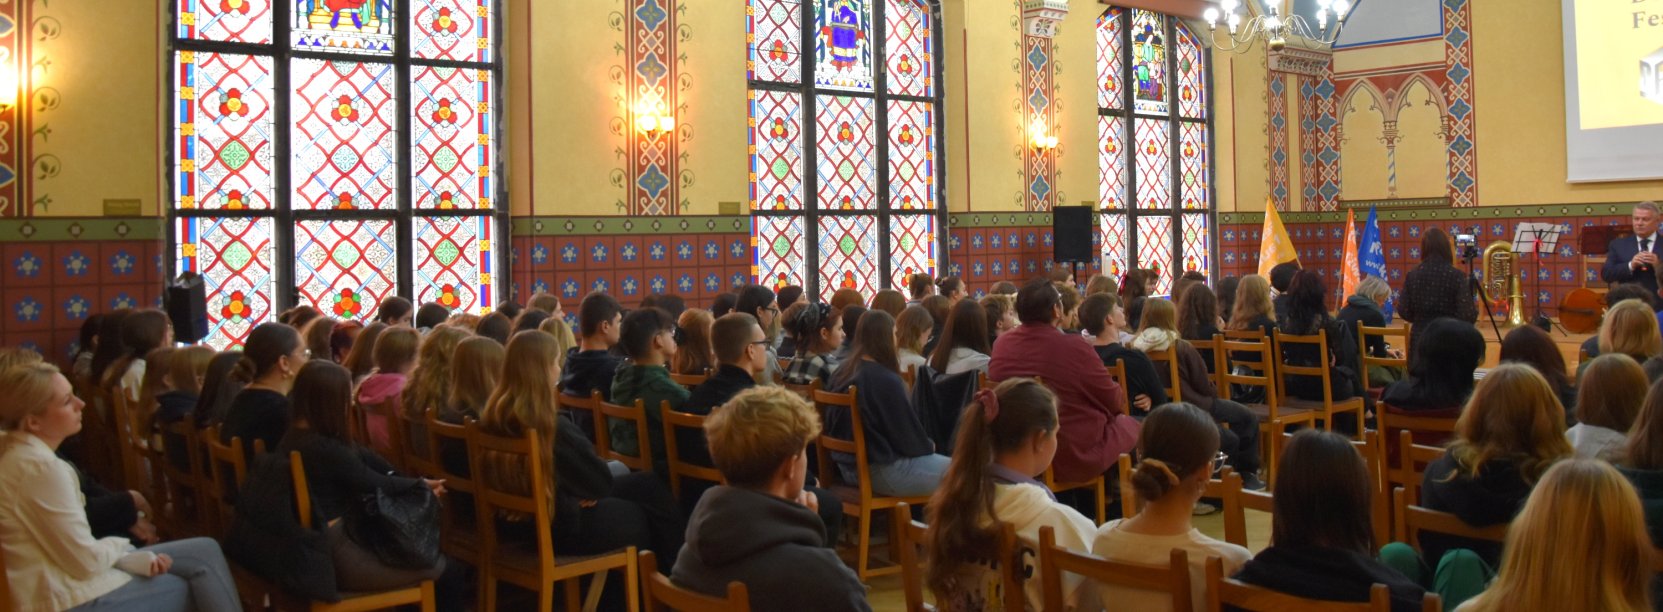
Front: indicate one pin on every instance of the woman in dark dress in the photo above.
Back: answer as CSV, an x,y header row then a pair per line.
x,y
1435,288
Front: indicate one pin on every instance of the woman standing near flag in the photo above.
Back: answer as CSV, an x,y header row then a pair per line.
x,y
1435,288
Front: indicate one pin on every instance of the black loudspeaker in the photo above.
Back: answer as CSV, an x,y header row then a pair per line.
x,y
1071,228
187,307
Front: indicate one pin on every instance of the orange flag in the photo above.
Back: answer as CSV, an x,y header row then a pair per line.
x,y
1349,270
1274,244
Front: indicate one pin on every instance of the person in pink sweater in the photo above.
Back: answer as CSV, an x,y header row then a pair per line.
x,y
1095,428
395,356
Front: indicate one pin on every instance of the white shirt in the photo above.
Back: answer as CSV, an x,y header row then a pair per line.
x,y
52,560
1116,544
1594,442
1651,246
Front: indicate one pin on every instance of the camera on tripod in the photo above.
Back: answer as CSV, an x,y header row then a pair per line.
x,y
1468,245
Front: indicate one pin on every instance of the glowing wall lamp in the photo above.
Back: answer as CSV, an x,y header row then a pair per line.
x,y
651,120
1040,138
8,86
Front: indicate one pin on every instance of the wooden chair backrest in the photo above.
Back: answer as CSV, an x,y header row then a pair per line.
x,y
184,432
1235,502
689,380
681,468
494,500
855,445
1412,519
225,457
302,493
1412,459
1174,578
1261,362
1365,332
663,595
439,435
1285,368
1117,372
588,405
1168,360
1223,591
914,549
1234,335
636,414
910,375
806,391
1210,350
415,460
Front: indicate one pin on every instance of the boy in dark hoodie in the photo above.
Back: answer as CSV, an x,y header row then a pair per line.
x,y
649,339
761,527
591,365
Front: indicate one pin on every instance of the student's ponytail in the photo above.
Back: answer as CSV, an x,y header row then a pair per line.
x,y
1176,440
999,420
267,343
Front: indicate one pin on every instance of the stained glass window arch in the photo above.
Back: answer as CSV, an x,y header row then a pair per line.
x,y
334,152
1154,150
846,142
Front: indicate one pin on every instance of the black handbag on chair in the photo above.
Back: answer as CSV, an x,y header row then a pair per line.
x,y
400,526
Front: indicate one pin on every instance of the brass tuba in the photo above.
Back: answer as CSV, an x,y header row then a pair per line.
x,y
1502,279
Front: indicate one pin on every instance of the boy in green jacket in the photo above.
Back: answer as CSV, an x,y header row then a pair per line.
x,y
648,339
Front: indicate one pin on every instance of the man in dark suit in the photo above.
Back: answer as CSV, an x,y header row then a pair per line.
x,y
1633,259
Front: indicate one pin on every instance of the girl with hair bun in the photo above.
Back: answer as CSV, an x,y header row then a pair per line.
x,y
1006,437
818,331
1179,446
271,360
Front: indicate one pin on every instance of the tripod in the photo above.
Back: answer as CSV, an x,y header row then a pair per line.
x,y
1475,287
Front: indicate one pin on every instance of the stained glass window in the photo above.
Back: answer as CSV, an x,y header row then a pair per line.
x,y
382,181
1155,188
845,188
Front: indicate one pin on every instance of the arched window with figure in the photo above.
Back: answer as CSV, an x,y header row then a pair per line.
x,y
1155,189
845,141
335,152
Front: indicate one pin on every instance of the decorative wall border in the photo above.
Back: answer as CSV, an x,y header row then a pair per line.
x,y
27,29
1318,141
652,82
1276,99
1521,212
49,229
1460,125
1039,166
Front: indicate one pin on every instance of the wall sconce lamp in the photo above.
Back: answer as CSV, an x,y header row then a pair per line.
x,y
8,87
1041,140
651,120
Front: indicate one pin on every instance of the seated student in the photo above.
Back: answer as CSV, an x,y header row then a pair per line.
x,y
1070,321
431,315
952,288
851,318
315,335
1321,544
760,528
759,301
938,307
1307,314
395,359
591,365
1579,544
1531,346
964,346
890,301
1630,328
1253,308
1198,313
472,380
272,356
185,370
819,333
1363,308
394,311
912,332
1000,310
1441,365
1617,295
1509,433
693,353
361,359
1241,440
1642,460
649,340
52,560
496,326
141,332
1613,388
339,474
218,389
1002,288
902,458
1096,428
919,286
1179,448
1103,319
593,512
1281,280
1006,438
843,298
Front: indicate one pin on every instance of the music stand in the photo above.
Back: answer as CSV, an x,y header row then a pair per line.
x,y
1537,238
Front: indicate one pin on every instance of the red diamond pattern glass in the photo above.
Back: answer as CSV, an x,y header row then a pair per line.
x,y
456,30
449,254
908,48
1155,249
1192,91
344,26
237,21
846,150
344,268
774,31
911,247
223,132
1153,165
345,147
911,156
778,243
234,257
848,255
1111,159
1109,88
452,138
1192,165
776,150
1113,226
1195,242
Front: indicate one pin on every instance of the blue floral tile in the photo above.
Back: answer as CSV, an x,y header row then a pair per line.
x,y
27,265
685,283
123,263
28,310
628,285
684,251
657,250
628,252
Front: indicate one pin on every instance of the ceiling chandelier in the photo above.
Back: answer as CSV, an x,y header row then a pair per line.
x,y
1274,27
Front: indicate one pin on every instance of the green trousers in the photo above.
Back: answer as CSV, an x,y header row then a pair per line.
x,y
1460,575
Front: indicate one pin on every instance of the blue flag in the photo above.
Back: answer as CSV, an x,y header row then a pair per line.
x,y
1371,255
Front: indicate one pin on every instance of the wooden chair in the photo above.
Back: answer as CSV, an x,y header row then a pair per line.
x,y
538,567
1412,458
807,391
681,468
133,449
909,375
1211,351
1174,386
858,499
421,594
1411,520
458,530
1236,501
914,546
1328,407
1098,488
419,455
663,595
1273,418
1117,372
636,414
690,380
1365,332
398,435
1173,579
227,470
1222,591
184,483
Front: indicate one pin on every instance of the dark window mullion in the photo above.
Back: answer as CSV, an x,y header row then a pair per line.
x,y
286,295
1175,237
880,108
811,156
938,88
1129,131
405,277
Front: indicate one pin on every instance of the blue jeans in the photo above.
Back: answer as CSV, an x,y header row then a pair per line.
x,y
909,477
199,580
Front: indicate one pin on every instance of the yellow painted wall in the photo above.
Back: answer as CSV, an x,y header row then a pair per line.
x,y
1242,142
1076,81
